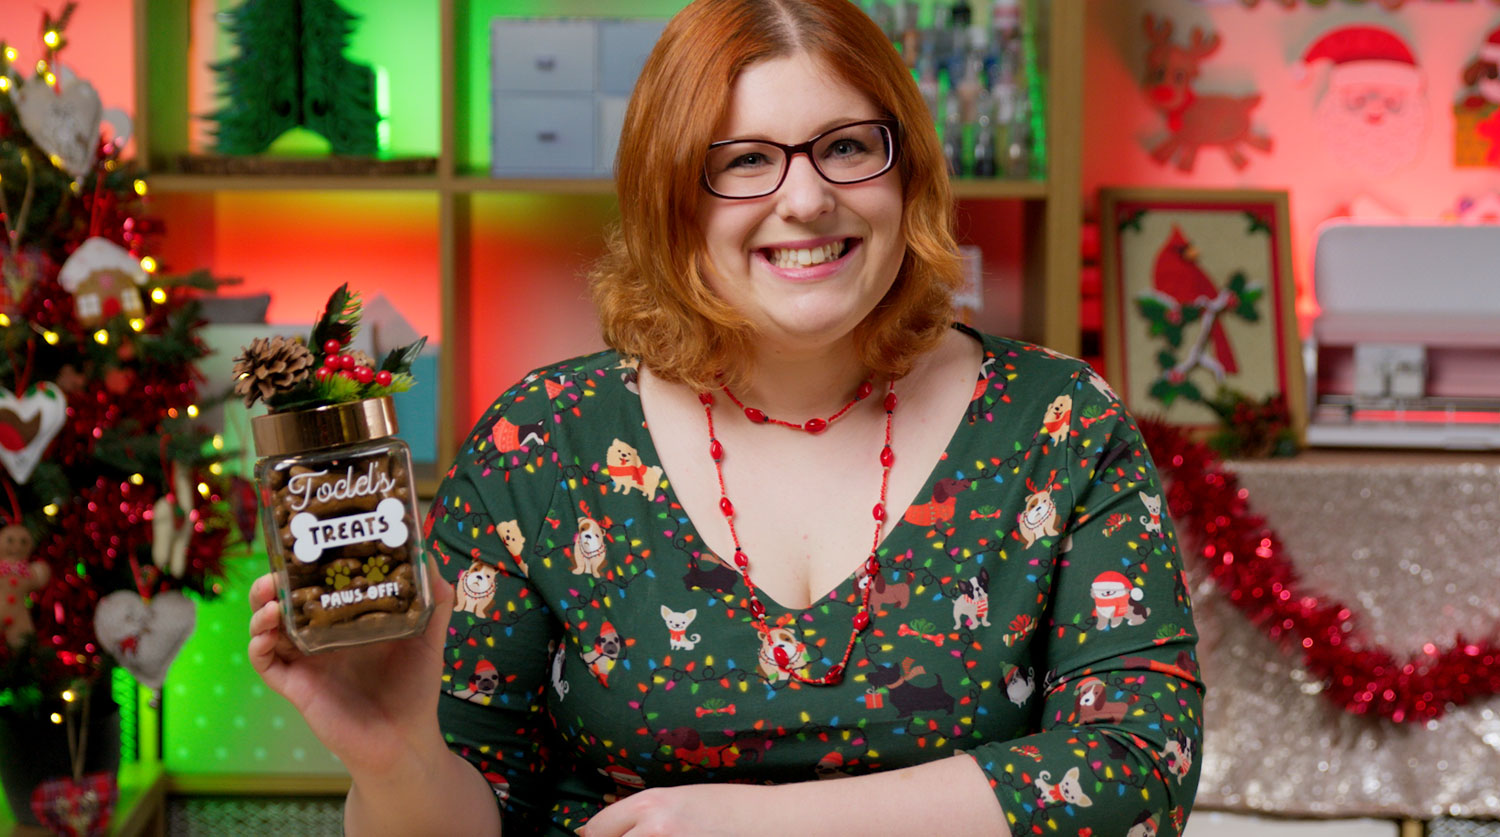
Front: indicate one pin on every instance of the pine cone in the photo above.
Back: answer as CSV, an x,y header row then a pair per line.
x,y
362,359
270,365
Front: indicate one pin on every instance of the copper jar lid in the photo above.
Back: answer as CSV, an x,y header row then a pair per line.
x,y
336,424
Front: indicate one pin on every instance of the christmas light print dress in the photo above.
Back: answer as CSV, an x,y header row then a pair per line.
x,y
1030,611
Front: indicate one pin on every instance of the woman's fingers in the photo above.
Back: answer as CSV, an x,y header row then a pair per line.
x,y
262,590
266,618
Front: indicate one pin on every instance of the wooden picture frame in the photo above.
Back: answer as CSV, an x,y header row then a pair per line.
x,y
1170,340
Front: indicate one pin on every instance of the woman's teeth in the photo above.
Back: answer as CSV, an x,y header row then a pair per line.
x,y
804,257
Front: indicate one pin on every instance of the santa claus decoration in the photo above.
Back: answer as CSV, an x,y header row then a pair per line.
x,y
1373,113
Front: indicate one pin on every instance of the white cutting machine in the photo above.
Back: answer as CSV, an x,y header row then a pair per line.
x,y
1405,351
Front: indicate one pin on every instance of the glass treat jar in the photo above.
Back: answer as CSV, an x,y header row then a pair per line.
x,y
340,516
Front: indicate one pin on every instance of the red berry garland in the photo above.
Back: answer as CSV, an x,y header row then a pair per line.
x,y
1245,557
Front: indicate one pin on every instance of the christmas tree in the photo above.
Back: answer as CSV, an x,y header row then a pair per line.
x,y
110,491
291,71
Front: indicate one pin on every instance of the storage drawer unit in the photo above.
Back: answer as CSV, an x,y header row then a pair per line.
x,y
559,90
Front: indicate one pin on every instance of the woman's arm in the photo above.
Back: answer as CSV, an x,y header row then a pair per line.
x,y
949,796
431,792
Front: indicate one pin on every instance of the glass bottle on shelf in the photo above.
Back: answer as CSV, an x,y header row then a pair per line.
x,y
1018,148
984,137
953,135
927,83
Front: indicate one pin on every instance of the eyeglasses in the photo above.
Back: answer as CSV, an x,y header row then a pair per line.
x,y
852,153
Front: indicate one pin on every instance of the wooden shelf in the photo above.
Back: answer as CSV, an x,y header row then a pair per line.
x,y
1050,219
248,784
473,184
1000,189
288,183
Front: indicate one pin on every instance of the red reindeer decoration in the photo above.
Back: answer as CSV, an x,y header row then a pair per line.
x,y
1194,121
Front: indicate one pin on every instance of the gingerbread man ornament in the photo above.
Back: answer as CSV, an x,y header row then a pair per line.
x,y
19,576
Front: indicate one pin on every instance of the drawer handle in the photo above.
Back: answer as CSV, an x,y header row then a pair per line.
x,y
546,136
546,63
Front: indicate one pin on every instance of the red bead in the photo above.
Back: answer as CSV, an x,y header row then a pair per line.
x,y
383,377
707,398
783,659
364,374
879,511
887,456
890,401
346,361
726,507
757,609
332,346
741,560
861,620
322,373
331,361
864,390
715,449
815,425
755,415
835,675
872,566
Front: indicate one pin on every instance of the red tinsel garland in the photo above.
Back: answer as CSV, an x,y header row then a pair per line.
x,y
1246,558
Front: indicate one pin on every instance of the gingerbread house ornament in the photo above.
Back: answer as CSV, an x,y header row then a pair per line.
x,y
105,280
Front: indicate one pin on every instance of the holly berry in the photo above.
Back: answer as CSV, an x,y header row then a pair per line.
x,y
322,373
346,361
332,346
364,374
331,361
383,377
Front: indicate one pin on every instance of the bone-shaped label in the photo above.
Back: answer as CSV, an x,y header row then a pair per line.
x,y
384,524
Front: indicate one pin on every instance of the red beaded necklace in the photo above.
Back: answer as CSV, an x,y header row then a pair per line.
x,y
757,610
812,425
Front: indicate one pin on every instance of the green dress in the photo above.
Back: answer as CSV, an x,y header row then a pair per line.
x,y
1030,612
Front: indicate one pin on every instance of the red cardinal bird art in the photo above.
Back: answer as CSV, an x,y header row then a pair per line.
x,y
1178,276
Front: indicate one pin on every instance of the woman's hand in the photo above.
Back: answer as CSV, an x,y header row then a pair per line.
x,y
370,704
722,810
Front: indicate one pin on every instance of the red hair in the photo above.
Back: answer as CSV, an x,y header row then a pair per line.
x,y
653,300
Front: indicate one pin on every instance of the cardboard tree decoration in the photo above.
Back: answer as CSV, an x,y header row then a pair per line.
x,y
290,72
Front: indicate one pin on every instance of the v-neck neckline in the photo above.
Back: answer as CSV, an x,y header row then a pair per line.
x,y
984,374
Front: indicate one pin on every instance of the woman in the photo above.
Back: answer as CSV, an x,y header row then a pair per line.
x,y
682,601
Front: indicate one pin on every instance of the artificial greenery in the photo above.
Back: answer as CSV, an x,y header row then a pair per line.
x,y
331,384
290,72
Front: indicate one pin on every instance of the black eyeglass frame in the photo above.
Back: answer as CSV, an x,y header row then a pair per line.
x,y
892,129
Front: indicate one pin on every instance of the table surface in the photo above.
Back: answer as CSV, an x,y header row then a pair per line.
x,y
1386,456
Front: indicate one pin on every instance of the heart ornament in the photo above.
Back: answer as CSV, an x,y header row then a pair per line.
x,y
76,809
28,425
143,636
63,122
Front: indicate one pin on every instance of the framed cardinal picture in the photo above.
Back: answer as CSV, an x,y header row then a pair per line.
x,y
1199,303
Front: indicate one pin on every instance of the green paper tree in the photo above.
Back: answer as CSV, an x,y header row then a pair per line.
x,y
290,72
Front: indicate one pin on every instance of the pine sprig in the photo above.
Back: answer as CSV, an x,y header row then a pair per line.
x,y
332,382
339,320
398,361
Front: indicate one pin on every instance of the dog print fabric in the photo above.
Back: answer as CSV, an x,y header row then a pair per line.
x,y
1029,612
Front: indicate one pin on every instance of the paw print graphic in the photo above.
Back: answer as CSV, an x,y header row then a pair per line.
x,y
376,568
338,577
